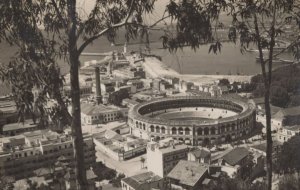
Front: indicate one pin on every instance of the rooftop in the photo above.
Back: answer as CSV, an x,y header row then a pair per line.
x,y
263,146
236,155
90,109
169,149
188,172
259,100
110,134
130,101
293,111
200,153
292,128
16,126
137,181
8,106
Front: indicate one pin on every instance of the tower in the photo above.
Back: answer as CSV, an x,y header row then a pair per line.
x,y
98,88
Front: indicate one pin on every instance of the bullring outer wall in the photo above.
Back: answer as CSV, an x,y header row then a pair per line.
x,y
194,132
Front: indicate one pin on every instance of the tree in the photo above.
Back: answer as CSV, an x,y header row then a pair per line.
x,y
6,182
224,82
289,156
45,31
116,182
279,96
259,24
66,34
143,160
103,172
226,183
289,182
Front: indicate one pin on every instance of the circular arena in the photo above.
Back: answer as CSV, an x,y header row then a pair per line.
x,y
193,120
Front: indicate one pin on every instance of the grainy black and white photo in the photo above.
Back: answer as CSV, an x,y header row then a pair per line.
x,y
150,95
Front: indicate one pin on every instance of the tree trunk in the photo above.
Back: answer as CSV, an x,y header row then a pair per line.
x,y
267,104
76,125
80,171
267,84
269,138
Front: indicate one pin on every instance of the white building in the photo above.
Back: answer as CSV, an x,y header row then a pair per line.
x,y
162,159
97,114
22,154
286,117
287,132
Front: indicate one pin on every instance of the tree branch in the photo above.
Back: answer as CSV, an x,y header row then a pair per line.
x,y
90,40
272,44
59,13
261,57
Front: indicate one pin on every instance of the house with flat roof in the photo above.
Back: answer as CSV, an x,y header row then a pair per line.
x,y
287,132
20,155
8,111
119,147
162,159
287,117
13,129
144,181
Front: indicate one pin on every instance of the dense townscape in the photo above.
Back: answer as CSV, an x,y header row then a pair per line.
x,y
126,120
150,129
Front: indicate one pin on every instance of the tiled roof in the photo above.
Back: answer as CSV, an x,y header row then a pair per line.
x,y
200,153
259,100
236,155
20,125
293,111
292,128
137,181
90,109
109,134
188,172
206,181
263,146
90,175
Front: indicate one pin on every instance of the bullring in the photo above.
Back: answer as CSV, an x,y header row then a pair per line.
x,y
194,120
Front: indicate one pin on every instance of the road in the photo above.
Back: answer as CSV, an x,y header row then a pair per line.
x,y
92,129
128,167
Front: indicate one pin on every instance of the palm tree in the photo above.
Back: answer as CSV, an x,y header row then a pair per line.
x,y
142,162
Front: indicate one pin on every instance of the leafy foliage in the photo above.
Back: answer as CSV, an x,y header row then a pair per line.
x,y
194,20
103,172
116,182
285,82
279,96
289,157
45,31
289,182
224,82
226,183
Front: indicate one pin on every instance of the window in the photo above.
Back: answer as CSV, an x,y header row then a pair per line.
x,y
152,128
